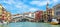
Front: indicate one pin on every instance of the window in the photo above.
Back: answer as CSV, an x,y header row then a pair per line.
x,y
58,13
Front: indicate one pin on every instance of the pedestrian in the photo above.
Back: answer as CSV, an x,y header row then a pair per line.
x,y
1,20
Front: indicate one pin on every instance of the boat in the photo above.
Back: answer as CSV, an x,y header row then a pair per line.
x,y
54,22
0,23
5,22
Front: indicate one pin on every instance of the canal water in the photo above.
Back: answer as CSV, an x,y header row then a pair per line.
x,y
30,24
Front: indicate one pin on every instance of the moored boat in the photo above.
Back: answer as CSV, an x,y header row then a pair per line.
x,y
54,22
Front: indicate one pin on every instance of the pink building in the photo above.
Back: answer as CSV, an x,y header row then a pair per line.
x,y
38,15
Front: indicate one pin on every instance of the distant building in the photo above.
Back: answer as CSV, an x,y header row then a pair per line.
x,y
0,11
57,11
38,15
8,16
45,16
3,13
26,14
32,15
29,14
50,12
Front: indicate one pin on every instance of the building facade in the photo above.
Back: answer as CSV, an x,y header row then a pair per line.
x,y
0,11
50,13
30,14
3,13
57,11
45,16
8,16
38,15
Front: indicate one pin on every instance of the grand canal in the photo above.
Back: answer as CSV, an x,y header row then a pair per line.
x,y
29,24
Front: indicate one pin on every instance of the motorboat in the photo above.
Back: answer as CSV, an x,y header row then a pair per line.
x,y
5,22
54,22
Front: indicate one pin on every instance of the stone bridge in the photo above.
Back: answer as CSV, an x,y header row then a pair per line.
x,y
21,18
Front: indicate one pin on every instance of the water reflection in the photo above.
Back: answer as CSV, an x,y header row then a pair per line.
x,y
54,25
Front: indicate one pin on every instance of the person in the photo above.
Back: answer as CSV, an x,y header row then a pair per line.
x,y
1,21
59,21
50,19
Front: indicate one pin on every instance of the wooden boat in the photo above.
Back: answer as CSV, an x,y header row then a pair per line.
x,y
54,22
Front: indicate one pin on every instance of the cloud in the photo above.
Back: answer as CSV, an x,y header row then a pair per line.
x,y
55,0
9,1
17,7
39,3
20,6
25,8
12,6
33,9
42,3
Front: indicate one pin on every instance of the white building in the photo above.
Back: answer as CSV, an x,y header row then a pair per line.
x,y
57,10
32,15
29,14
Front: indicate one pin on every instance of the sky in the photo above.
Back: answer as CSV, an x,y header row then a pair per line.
x,y
21,6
